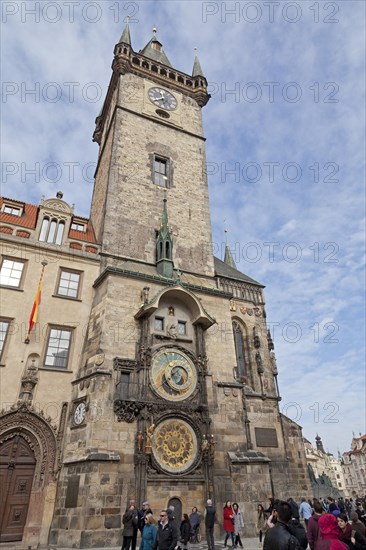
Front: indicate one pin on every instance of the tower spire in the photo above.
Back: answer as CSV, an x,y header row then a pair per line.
x,y
126,36
197,69
164,245
154,50
228,259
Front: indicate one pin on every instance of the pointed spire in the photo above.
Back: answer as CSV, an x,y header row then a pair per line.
x,y
197,69
154,50
164,245
228,259
125,36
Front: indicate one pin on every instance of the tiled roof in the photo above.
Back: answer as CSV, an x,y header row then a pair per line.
x,y
224,270
87,235
27,219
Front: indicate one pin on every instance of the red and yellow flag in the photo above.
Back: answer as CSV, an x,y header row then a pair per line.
x,y
34,313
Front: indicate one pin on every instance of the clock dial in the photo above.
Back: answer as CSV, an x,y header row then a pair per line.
x,y
174,445
173,375
79,413
162,99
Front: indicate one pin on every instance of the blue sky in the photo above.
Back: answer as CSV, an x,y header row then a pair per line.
x,y
285,151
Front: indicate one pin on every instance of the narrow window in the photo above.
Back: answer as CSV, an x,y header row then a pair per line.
x,y
60,232
52,231
78,226
11,272
58,348
240,350
4,327
44,229
161,172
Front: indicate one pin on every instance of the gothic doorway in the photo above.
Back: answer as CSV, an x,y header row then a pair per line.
x,y
17,466
177,510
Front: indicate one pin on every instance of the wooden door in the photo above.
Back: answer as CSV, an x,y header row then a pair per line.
x,y
17,465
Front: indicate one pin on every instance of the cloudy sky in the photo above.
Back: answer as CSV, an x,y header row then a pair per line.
x,y
285,151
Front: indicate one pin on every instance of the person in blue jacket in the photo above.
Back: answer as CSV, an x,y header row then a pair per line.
x,y
148,535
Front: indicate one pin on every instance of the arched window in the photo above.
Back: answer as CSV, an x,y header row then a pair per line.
x,y
241,353
52,230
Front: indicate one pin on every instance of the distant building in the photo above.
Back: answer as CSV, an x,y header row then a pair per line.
x,y
325,471
354,467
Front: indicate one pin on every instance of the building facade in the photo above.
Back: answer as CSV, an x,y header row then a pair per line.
x,y
354,467
167,389
325,471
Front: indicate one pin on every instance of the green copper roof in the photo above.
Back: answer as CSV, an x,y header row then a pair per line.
x,y
125,36
153,50
229,260
197,69
224,270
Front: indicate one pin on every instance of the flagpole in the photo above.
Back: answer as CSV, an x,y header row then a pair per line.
x,y
37,301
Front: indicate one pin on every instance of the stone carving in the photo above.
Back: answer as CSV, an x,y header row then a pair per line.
x,y
172,331
140,441
120,363
28,383
204,445
126,411
149,437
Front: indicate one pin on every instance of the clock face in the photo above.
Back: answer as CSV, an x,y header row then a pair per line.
x,y
173,375
162,99
174,445
79,413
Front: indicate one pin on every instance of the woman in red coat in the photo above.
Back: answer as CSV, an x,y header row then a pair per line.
x,y
229,523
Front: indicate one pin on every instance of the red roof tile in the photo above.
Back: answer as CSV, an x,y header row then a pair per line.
x,y
87,235
27,219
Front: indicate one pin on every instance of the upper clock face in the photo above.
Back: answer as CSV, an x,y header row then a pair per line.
x,y
79,413
173,375
162,99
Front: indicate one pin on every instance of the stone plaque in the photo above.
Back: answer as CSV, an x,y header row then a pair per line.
x,y
266,437
72,492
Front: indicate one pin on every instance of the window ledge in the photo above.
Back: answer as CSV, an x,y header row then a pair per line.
x,y
66,298
56,369
12,288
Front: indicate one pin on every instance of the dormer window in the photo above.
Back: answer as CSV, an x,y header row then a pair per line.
x,y
13,210
52,230
78,226
156,46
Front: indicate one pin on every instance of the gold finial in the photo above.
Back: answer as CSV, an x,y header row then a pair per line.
x,y
195,49
154,30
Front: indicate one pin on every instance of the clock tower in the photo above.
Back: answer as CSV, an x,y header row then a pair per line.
x,y
176,397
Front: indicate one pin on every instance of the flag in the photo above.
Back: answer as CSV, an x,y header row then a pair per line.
x,y
34,313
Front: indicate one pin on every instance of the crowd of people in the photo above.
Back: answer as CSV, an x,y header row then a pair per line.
x,y
321,524
168,533
327,524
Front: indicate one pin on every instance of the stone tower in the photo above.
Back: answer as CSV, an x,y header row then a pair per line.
x,y
176,397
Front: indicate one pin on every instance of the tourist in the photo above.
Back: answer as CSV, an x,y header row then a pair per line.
x,y
305,511
195,520
129,521
329,534
149,532
312,530
167,535
261,522
185,532
229,521
356,524
210,517
279,537
238,524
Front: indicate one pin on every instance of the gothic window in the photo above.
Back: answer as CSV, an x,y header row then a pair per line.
x,y
52,230
11,272
68,284
58,348
240,350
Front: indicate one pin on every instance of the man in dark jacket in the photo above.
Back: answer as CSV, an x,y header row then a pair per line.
x,y
210,516
279,537
294,508
167,536
142,514
313,526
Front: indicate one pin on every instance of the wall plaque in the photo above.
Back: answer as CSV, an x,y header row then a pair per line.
x,y
72,492
266,437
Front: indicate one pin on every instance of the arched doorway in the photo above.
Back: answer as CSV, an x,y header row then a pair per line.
x,y
176,503
17,467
